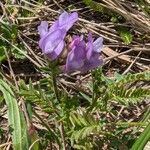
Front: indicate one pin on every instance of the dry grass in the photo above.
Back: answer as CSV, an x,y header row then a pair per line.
x,y
137,21
134,57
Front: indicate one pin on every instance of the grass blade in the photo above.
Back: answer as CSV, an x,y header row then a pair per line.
x,y
142,140
15,118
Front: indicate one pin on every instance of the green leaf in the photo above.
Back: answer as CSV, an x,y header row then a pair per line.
x,y
142,140
2,53
98,7
9,31
15,118
86,97
125,34
146,116
118,76
34,140
17,54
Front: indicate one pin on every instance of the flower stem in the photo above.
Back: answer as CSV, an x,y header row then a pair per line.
x,y
93,95
55,86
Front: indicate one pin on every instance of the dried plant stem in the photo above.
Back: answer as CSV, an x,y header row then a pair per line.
x,y
130,66
31,146
62,135
5,144
44,123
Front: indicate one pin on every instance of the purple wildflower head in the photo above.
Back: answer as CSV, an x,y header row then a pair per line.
x,y
84,57
52,39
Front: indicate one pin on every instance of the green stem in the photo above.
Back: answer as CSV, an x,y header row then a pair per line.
x,y
55,86
93,95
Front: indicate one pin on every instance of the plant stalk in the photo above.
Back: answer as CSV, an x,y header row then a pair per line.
x,y
55,86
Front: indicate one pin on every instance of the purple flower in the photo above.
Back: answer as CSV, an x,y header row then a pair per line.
x,y
52,39
84,57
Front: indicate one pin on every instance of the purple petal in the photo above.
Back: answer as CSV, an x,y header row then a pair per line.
x,y
90,39
43,28
93,47
49,44
54,54
63,18
89,46
76,40
92,54
54,26
79,48
67,20
76,56
98,44
89,50
73,63
93,63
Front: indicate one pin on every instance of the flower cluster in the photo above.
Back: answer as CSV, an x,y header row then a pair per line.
x,y
82,56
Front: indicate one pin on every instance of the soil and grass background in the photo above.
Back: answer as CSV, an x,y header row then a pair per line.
x,y
103,109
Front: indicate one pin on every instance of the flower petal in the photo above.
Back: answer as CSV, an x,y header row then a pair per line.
x,y
93,63
43,28
89,48
73,63
76,56
76,40
54,26
90,39
98,44
67,20
51,41
56,52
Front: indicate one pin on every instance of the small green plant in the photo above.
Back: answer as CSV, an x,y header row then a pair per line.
x,y
10,33
82,129
57,114
125,34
